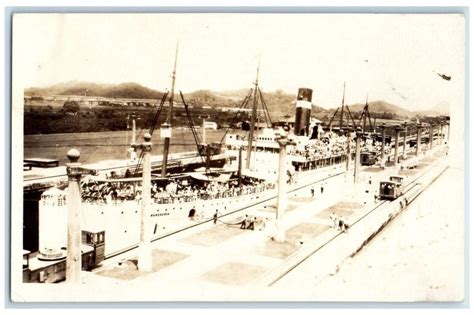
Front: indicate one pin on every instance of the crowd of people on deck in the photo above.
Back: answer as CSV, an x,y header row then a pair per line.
x,y
176,191
332,144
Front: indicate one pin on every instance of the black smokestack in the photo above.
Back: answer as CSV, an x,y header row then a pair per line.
x,y
303,111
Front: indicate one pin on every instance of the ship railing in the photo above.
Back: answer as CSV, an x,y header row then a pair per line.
x,y
213,195
60,200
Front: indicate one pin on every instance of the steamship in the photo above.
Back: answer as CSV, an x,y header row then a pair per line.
x,y
110,209
182,199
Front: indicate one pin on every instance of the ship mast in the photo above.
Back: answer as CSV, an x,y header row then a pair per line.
x,y
166,127
342,106
252,121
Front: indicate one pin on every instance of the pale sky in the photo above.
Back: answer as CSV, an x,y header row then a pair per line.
x,y
220,52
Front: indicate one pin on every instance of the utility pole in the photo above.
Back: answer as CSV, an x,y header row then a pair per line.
x,y
74,256
144,248
165,131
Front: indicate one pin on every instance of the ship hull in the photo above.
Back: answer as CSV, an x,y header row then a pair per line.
x,y
121,219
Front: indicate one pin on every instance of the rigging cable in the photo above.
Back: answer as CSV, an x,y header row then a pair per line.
x,y
152,129
191,125
243,105
265,109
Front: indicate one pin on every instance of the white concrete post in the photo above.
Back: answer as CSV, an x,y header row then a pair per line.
x,y
357,159
203,131
397,139
382,155
282,198
405,140
74,257
431,136
134,128
418,139
144,248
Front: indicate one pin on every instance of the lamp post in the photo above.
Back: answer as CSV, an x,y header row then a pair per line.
x,y
405,135
431,136
419,128
357,158
397,139
382,155
282,201
440,133
348,159
144,248
74,257
449,133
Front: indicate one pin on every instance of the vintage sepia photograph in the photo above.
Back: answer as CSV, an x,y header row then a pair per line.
x,y
238,157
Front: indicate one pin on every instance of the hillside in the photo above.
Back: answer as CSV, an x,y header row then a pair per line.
x,y
122,90
279,103
381,107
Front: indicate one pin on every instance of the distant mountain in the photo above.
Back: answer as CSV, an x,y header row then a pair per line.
x,y
381,107
123,90
280,104
235,95
437,110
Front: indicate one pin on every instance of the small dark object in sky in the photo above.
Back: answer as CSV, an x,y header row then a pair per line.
x,y
445,77
398,93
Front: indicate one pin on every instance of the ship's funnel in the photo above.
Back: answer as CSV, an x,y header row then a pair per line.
x,y
303,111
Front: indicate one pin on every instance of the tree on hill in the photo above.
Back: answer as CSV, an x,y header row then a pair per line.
x,y
71,107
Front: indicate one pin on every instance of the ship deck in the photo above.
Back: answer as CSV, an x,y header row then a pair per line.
x,y
55,174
